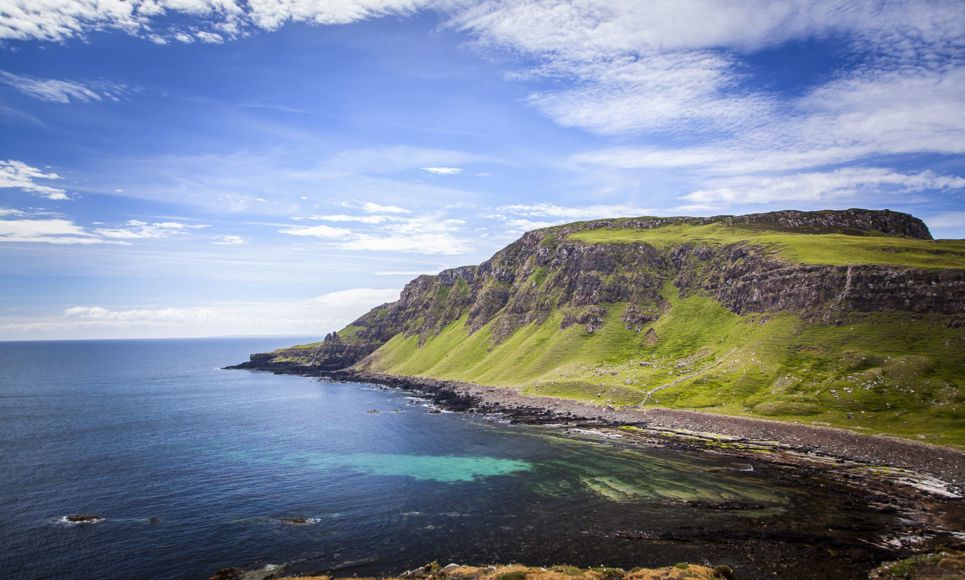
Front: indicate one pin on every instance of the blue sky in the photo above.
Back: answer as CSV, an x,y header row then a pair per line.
x,y
210,167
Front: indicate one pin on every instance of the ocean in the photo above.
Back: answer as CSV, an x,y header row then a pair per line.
x,y
195,468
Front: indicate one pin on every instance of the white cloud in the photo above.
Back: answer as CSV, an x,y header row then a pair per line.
x,y
357,298
378,208
427,243
47,231
65,232
141,230
210,21
423,234
576,212
635,66
443,170
271,14
19,175
316,231
521,225
820,186
865,120
343,218
60,91
519,218
57,20
229,241
679,92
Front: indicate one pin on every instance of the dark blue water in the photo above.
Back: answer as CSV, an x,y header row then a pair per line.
x,y
195,469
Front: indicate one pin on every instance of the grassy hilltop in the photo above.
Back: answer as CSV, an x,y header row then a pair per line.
x,y
846,319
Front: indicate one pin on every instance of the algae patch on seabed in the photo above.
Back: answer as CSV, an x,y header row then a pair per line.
x,y
443,468
624,475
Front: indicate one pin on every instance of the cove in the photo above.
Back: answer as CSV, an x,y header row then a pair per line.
x,y
195,469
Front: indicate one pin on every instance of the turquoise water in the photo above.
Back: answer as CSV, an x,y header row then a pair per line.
x,y
197,468
442,468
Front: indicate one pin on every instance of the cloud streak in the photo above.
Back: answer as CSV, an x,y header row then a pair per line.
x,y
822,186
443,170
23,227
399,231
61,91
18,175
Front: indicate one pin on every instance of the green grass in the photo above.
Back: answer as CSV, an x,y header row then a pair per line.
x,y
885,373
817,249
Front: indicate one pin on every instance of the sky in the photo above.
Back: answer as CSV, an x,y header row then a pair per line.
x,y
174,168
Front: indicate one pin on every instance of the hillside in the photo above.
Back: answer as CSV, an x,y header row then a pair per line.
x,y
849,318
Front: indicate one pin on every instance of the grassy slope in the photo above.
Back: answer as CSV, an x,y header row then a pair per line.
x,y
890,373
819,249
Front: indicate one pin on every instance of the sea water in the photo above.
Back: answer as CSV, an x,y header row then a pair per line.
x,y
195,468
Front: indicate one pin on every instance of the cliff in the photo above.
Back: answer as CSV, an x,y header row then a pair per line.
x,y
849,317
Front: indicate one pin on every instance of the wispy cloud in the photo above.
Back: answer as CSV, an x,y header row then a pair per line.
x,y
47,231
378,208
141,230
421,234
18,175
63,91
317,231
344,218
443,170
230,240
28,227
516,219
635,66
210,21
821,186
574,212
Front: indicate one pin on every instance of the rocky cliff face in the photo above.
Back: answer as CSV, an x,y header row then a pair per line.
x,y
545,271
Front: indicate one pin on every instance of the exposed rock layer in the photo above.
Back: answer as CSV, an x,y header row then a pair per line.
x,y
545,271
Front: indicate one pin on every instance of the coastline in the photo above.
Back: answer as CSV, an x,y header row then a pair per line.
x,y
921,483
929,468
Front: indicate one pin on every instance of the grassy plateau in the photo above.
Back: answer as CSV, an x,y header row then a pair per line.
x,y
886,372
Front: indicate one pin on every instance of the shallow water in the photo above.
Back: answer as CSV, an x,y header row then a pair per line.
x,y
194,469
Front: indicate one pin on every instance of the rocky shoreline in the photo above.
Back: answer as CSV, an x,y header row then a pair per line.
x,y
923,484
897,459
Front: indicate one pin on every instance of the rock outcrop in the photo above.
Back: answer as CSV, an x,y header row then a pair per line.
x,y
546,271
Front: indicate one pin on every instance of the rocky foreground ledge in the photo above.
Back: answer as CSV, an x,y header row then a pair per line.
x,y
435,571
940,565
